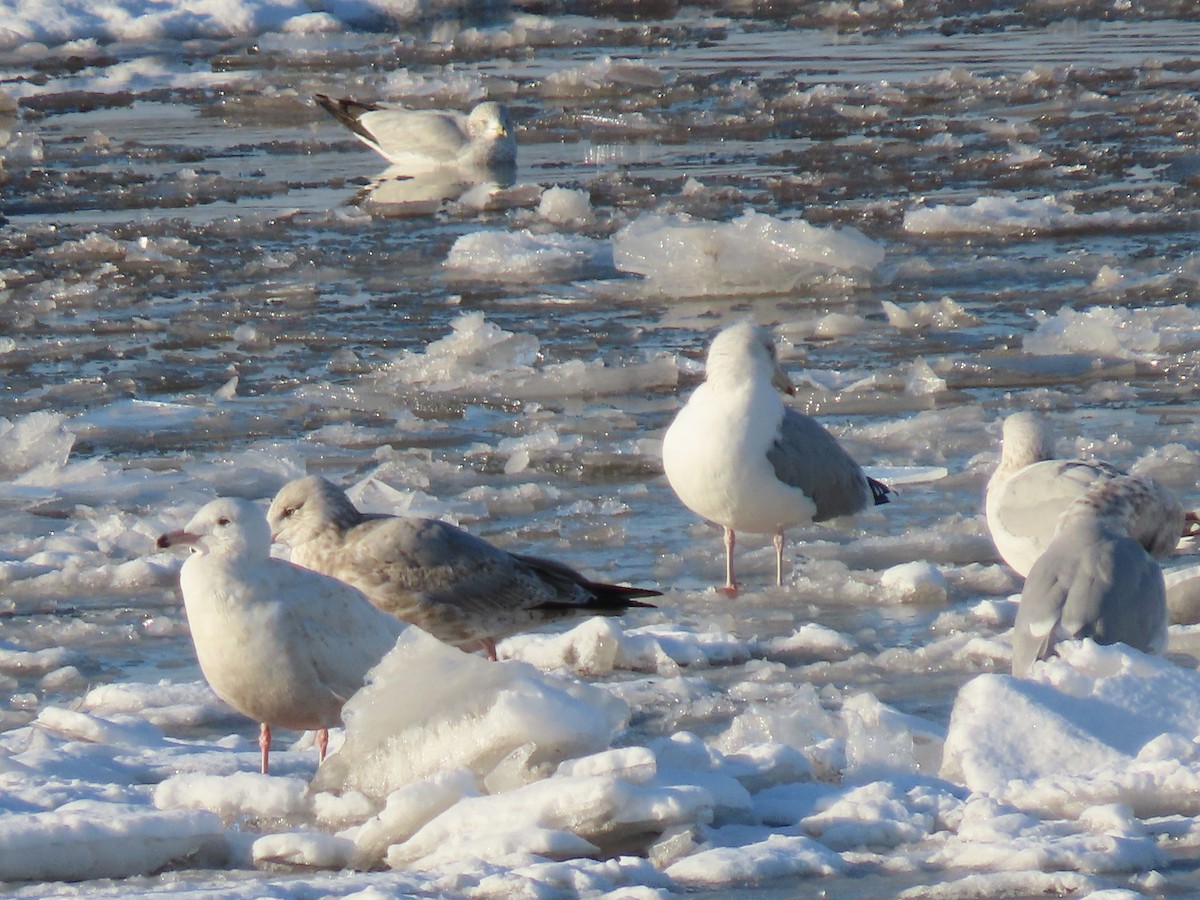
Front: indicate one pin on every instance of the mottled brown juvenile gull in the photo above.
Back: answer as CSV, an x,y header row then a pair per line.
x,y
738,456
279,643
1095,580
418,141
454,585
1030,490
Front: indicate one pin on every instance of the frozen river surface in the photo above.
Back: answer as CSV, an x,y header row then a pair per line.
x,y
209,287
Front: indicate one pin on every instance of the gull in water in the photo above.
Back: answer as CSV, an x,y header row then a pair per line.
x,y
738,456
418,141
1096,579
456,586
1030,489
277,642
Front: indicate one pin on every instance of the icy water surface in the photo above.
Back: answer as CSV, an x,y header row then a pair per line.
x,y
203,291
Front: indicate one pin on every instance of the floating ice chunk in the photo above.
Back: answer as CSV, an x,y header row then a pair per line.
x,y
603,77
754,253
562,206
303,849
575,814
481,356
523,256
123,731
469,713
799,721
813,638
914,582
882,742
993,836
407,809
1117,332
1108,279
775,856
474,350
39,439
1009,215
1183,595
873,815
943,315
921,380
17,660
1086,729
236,796
98,840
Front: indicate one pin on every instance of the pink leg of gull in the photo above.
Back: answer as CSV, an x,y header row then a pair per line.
x,y
264,744
731,587
322,744
489,647
779,557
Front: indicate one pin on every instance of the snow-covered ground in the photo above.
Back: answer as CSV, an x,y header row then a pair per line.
x,y
208,287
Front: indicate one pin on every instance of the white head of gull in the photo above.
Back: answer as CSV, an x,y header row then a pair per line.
x,y
1030,489
281,644
738,456
1096,579
458,587
419,141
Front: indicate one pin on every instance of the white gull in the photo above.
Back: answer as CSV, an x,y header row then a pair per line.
x,y
281,644
1030,489
456,586
1095,580
738,456
419,141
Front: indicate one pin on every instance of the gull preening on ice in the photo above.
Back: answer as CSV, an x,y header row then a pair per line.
x,y
456,586
279,643
1096,579
1030,489
738,456
418,141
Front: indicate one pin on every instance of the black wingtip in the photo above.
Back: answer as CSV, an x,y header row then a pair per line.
x,y
347,112
880,492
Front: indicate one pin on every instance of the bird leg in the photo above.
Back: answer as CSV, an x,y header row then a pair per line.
x,y
489,647
779,558
322,744
264,744
731,587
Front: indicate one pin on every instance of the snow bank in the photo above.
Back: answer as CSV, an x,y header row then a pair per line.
x,y
754,253
1097,725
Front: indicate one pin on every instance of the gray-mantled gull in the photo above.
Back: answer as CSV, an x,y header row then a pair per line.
x,y
1030,490
418,141
279,643
1095,580
738,456
454,585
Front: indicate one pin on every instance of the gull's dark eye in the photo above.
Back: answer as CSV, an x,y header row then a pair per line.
x,y
223,520
288,511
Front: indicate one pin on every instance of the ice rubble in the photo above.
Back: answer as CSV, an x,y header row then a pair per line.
x,y
499,765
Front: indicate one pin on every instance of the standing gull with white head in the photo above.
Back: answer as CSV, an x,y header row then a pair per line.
x,y
279,643
737,455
